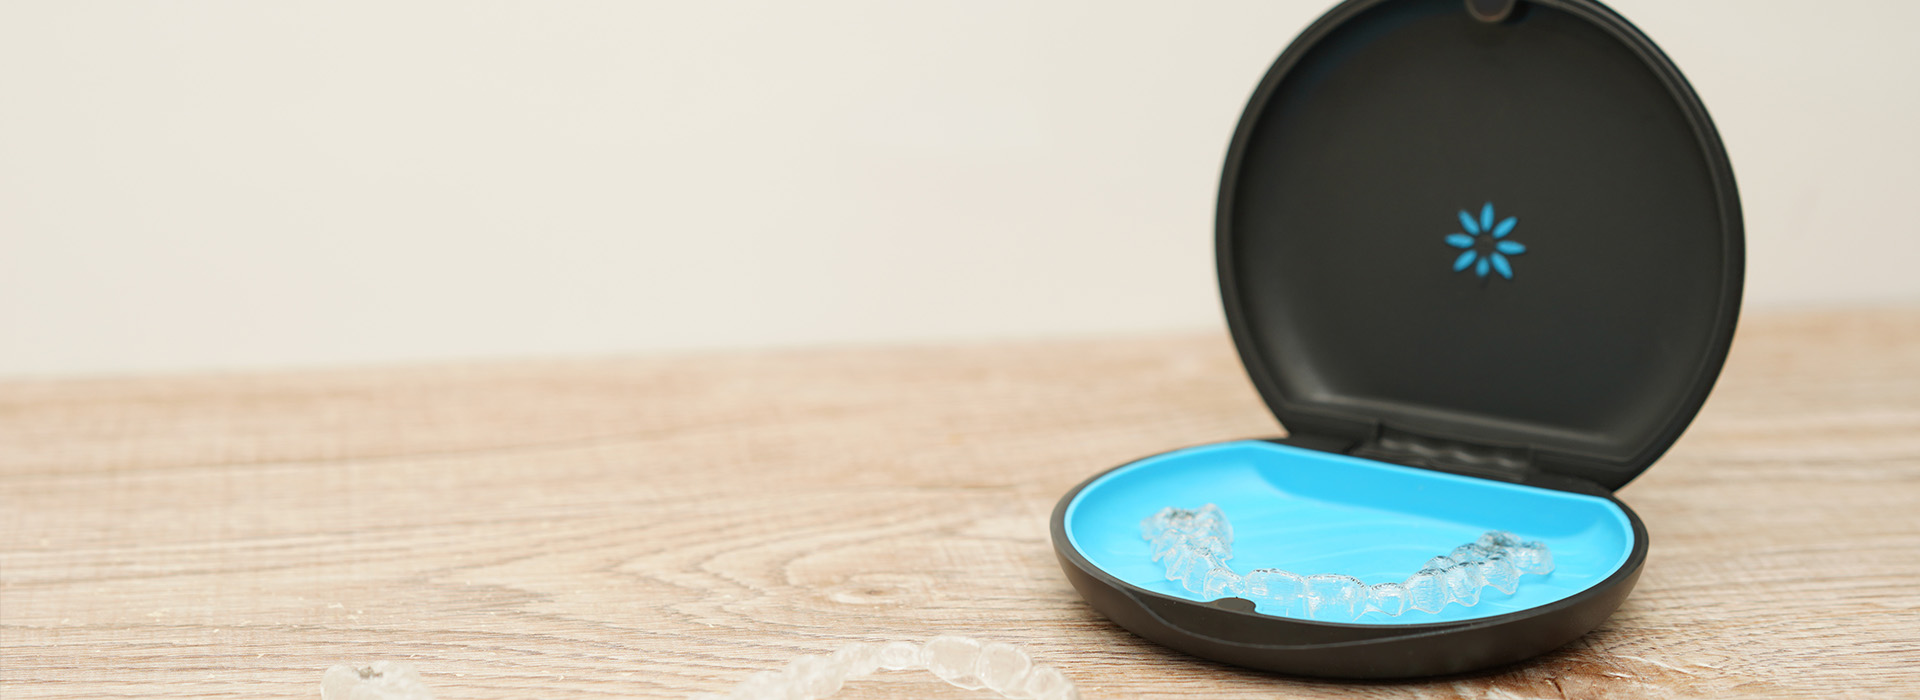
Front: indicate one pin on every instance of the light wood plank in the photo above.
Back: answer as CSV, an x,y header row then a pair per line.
x,y
653,527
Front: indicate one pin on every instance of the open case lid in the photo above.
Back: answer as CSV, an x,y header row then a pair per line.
x,y
1500,239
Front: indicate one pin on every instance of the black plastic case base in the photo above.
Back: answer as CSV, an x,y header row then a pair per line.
x,y
1228,630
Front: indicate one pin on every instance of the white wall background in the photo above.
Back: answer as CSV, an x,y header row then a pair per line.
x,y
191,185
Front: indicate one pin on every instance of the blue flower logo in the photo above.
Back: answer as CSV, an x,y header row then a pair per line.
x,y
1490,252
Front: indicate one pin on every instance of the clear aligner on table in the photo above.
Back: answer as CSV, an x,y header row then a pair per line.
x,y
1196,544
967,663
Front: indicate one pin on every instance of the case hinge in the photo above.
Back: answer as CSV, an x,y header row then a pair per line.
x,y
1513,464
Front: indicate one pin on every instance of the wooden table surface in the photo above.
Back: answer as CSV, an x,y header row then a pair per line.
x,y
655,527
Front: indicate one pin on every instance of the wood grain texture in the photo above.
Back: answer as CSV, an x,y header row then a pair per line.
x,y
659,526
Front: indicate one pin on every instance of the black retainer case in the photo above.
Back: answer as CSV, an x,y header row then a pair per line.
x,y
1483,261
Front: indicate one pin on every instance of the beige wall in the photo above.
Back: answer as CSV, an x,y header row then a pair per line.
x,y
241,184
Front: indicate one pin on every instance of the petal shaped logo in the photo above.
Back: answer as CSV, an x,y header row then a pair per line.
x,y
1484,247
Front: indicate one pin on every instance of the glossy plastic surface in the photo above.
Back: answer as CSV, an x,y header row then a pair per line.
x,y
1314,512
1521,235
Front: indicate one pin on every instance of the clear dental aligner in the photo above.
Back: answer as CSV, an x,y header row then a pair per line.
x,y
1196,544
967,663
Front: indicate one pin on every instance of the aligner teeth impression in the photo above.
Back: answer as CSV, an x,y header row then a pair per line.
x,y
1195,545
